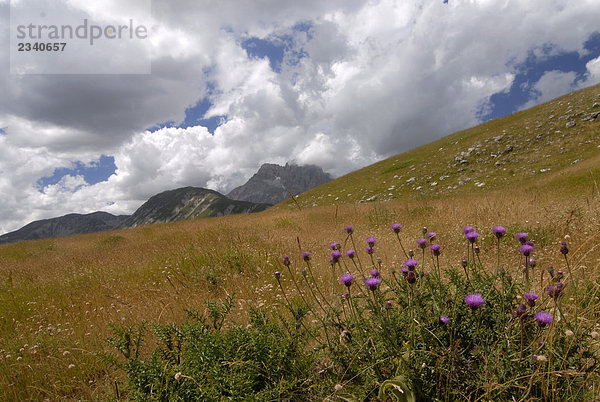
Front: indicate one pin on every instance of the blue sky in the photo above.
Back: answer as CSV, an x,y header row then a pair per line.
x,y
237,84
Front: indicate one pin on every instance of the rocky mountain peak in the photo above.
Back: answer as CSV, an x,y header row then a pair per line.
x,y
271,183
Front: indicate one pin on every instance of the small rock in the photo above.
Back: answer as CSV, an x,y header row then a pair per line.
x,y
595,105
508,149
418,188
498,138
570,124
411,180
434,184
370,199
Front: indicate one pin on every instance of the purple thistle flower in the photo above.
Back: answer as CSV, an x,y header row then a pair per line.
x,y
444,319
370,250
424,231
371,241
388,304
404,270
464,263
499,231
372,283
472,236
563,248
396,227
530,243
526,249
411,277
335,245
411,253
347,279
520,311
555,290
431,236
350,253
336,255
468,229
277,275
303,272
411,264
436,249
286,261
522,237
422,243
531,298
543,319
375,273
349,229
532,262
474,301
476,249
306,255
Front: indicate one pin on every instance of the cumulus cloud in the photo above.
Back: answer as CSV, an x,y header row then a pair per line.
x,y
359,81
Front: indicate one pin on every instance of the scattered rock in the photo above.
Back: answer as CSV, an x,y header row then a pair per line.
x,y
434,184
411,180
498,138
544,170
595,105
371,199
570,124
507,150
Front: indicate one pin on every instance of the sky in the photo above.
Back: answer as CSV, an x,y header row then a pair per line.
x,y
235,84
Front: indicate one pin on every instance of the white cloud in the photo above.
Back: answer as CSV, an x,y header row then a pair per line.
x,y
372,79
551,85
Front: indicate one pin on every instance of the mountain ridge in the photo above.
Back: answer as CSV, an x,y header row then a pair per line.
x,y
273,183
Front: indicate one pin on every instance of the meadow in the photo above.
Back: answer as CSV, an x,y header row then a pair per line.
x,y
60,297
72,308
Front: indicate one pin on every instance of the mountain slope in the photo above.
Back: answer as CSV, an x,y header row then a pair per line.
x,y
551,144
272,182
67,225
188,203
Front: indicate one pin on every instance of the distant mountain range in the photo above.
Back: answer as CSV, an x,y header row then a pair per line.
x,y
67,225
273,183
267,187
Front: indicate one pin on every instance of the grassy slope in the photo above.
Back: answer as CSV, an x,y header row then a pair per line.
x,y
543,150
58,296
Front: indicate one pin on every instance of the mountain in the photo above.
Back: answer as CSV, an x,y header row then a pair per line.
x,y
555,144
188,203
169,206
67,225
272,182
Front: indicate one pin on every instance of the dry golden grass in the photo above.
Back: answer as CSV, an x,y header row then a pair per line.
x,y
59,296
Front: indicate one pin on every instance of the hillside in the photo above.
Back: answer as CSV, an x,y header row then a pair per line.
x,y
188,203
543,145
66,225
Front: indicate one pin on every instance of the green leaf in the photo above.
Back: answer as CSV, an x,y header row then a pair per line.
x,y
398,388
